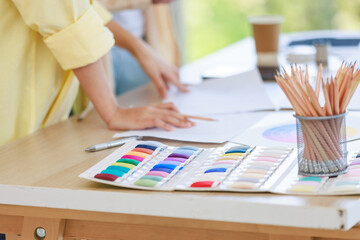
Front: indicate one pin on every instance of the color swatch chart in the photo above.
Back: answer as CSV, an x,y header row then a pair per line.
x,y
241,169
345,184
151,165
143,165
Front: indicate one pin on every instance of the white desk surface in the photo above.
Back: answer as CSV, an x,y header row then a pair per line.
x,y
42,170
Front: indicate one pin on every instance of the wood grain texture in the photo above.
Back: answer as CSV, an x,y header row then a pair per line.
x,y
54,157
98,225
288,237
54,228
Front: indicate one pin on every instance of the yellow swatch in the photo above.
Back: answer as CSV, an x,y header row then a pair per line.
x,y
232,154
227,158
244,185
253,175
302,188
127,165
261,171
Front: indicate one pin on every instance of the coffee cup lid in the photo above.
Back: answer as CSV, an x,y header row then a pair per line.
x,y
266,19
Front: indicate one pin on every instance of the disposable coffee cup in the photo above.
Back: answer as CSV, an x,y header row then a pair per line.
x,y
266,31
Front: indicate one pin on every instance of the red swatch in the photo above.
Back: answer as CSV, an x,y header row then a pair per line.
x,y
202,184
105,176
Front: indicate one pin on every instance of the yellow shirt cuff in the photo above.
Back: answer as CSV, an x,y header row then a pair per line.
x,y
82,42
103,13
117,5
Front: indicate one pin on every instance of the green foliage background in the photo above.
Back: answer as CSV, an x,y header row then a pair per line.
x,y
214,24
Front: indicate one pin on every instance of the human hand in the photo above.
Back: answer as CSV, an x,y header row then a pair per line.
x,y
160,72
164,115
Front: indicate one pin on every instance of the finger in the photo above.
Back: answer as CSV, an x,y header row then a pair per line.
x,y
169,106
166,83
176,119
161,124
160,85
174,112
175,79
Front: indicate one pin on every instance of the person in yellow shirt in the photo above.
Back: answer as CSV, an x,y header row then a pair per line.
x,y
45,45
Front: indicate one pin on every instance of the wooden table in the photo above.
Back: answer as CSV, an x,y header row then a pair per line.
x,y
40,187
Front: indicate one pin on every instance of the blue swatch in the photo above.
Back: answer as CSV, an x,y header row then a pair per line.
x,y
169,166
216,170
146,146
168,170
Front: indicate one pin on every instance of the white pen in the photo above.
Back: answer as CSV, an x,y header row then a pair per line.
x,y
111,144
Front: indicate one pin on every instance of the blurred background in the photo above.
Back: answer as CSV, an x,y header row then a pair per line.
x,y
209,25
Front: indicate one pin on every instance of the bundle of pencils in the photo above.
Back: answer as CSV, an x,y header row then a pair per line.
x,y
322,129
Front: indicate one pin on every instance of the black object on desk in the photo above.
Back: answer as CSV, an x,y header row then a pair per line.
x,y
268,73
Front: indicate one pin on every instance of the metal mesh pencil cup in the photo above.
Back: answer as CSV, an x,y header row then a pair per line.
x,y
321,143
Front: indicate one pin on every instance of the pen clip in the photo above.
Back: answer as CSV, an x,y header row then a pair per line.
x,y
111,144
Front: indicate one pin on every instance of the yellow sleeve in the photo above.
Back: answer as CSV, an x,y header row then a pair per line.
x,y
117,5
103,13
72,30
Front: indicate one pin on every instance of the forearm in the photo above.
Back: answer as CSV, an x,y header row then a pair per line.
x,y
126,40
93,79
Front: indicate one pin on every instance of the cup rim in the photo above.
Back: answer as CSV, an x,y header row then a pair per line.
x,y
321,118
266,19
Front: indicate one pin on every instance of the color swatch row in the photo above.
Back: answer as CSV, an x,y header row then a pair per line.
x,y
347,182
130,161
350,181
152,165
215,171
168,167
259,168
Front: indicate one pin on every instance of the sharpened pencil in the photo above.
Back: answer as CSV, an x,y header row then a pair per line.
x,y
199,118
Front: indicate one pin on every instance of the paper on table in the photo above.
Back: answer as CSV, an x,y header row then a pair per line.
x,y
354,103
239,93
274,130
278,129
225,128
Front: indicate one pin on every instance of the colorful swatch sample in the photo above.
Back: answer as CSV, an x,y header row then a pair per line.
x,y
167,167
259,168
308,184
130,161
221,167
153,166
349,181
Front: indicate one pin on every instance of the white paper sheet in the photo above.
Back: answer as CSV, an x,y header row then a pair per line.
x,y
239,93
278,129
222,130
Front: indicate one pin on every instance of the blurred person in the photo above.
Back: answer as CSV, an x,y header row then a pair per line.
x,y
46,45
149,20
